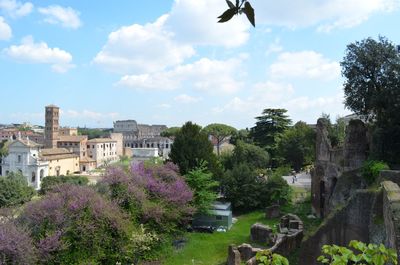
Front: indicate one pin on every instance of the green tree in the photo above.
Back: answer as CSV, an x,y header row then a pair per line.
x,y
269,129
372,88
241,187
253,156
221,132
372,78
242,135
170,132
50,182
14,190
191,147
297,145
3,148
203,186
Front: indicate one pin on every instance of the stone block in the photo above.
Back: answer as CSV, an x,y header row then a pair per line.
x,y
261,233
272,211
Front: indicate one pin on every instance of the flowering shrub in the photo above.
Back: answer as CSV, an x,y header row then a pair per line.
x,y
74,224
16,247
155,195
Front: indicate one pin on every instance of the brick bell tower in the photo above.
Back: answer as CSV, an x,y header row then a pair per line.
x,y
51,126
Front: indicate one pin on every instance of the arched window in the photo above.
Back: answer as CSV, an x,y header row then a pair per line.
x,y
33,179
41,174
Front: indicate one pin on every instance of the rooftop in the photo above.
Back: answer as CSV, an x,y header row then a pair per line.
x,y
101,140
72,138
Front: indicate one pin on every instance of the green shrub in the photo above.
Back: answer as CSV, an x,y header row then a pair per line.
x,y
48,183
14,190
266,257
371,169
365,254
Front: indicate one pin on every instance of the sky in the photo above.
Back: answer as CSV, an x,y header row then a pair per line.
x,y
169,61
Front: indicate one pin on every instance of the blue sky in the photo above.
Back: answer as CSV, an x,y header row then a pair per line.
x,y
167,62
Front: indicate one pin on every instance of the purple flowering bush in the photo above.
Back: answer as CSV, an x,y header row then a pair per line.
x,y
16,247
76,225
156,195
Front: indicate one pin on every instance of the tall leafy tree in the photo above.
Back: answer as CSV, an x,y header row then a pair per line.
x,y
297,145
372,78
269,129
191,147
371,69
220,132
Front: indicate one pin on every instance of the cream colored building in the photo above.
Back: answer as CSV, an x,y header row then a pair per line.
x,y
66,131
102,150
61,161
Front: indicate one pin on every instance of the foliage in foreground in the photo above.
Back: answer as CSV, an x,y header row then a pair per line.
x,y
156,195
76,225
266,257
50,182
16,247
14,190
365,254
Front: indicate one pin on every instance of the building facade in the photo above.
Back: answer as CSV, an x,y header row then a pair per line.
x,y
62,161
24,157
74,143
102,150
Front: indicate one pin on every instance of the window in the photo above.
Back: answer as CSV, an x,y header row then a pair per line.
x,y
19,158
218,217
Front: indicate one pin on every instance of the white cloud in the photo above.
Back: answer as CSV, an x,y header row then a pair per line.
x,y
204,75
31,52
274,47
195,22
164,106
327,15
304,64
16,9
261,95
186,99
142,49
5,30
65,16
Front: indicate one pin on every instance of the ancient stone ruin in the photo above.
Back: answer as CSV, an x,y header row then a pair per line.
x,y
285,241
332,163
272,211
261,233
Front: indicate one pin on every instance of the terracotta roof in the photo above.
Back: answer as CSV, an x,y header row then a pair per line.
x,y
86,160
72,138
56,153
101,140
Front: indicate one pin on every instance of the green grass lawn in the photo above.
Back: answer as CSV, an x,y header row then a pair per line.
x,y
212,249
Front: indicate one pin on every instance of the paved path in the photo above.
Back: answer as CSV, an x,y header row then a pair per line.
x,y
303,180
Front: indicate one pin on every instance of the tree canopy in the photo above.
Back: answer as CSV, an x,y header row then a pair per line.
x,y
371,69
372,78
191,147
269,128
221,132
297,145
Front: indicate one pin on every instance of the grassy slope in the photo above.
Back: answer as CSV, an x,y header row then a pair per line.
x,y
212,249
